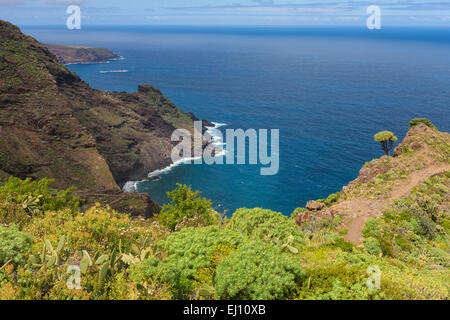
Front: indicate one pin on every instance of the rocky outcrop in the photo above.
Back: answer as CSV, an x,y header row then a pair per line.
x,y
52,124
410,142
310,215
369,172
77,54
314,205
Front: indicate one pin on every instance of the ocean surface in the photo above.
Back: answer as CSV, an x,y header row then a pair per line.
x,y
328,90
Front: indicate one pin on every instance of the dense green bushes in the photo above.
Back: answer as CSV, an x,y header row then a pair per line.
x,y
14,245
258,271
257,254
20,200
190,256
187,208
266,225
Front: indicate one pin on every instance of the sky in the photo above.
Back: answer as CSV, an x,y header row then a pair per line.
x,y
227,12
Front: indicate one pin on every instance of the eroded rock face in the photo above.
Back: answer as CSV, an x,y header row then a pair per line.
x,y
314,205
410,141
369,171
308,216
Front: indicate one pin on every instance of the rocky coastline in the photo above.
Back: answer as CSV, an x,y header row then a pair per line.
x,y
80,54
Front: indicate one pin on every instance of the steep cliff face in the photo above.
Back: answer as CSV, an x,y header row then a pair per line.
x,y
52,124
77,54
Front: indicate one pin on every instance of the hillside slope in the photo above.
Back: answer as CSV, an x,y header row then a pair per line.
x,y
54,125
424,153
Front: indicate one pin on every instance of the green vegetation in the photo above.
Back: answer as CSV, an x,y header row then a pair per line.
x,y
387,140
414,122
416,228
258,271
332,198
92,139
257,254
186,208
266,225
14,245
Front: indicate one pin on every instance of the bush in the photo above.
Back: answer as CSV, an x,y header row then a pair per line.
x,y
343,244
372,246
440,256
416,121
266,225
335,281
332,198
190,253
371,229
258,271
187,204
36,196
14,245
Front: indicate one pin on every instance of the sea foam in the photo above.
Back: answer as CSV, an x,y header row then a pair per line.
x,y
216,139
114,71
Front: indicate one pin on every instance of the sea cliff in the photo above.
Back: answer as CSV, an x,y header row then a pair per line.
x,y
53,124
80,54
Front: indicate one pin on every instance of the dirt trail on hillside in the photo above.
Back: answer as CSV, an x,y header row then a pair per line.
x,y
356,212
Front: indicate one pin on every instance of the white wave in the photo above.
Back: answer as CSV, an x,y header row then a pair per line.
x,y
216,139
117,59
114,71
167,169
101,62
130,186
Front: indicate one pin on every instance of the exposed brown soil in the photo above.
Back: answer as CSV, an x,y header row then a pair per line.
x,y
356,212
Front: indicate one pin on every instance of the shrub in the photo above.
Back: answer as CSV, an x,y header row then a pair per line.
x,y
36,196
335,281
440,256
416,121
258,271
266,225
372,246
186,203
189,253
371,229
343,244
332,198
14,245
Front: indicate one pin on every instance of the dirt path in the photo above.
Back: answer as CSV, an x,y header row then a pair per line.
x,y
356,212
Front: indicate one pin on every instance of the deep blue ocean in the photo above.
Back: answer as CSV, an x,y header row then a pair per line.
x,y
328,90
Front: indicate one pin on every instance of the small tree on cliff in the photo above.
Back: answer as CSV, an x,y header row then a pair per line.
x,y
186,203
387,140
